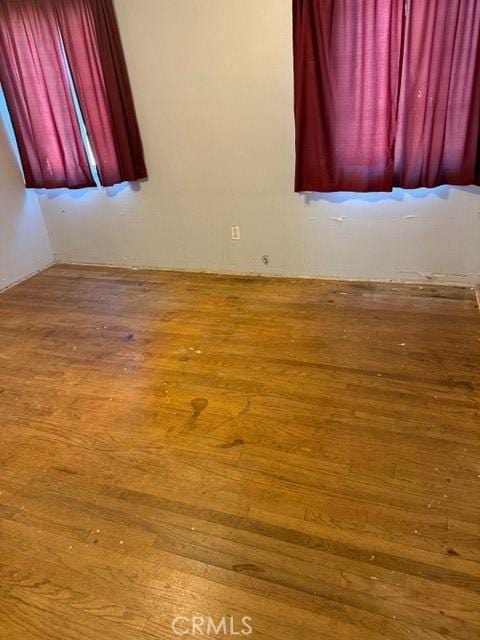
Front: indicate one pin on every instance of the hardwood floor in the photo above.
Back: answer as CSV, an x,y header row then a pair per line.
x,y
302,453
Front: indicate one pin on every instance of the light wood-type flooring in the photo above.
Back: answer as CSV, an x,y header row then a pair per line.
x,y
302,453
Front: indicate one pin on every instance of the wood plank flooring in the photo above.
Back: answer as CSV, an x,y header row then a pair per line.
x,y
299,452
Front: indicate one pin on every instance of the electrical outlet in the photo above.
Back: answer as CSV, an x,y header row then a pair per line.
x,y
235,233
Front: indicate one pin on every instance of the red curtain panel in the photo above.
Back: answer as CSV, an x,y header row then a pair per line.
x,y
35,83
42,44
439,109
346,62
386,93
94,50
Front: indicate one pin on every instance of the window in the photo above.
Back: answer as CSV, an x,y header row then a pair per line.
x,y
386,93
66,86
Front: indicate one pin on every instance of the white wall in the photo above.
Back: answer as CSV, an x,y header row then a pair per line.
x,y
24,243
213,86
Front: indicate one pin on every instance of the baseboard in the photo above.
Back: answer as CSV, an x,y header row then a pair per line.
x,y
27,277
253,274
425,281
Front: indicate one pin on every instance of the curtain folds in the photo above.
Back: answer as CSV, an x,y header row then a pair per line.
x,y
95,55
36,88
386,97
347,56
42,44
439,107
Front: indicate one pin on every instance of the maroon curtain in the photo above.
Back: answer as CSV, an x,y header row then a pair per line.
x,y
384,99
346,61
439,108
35,83
94,51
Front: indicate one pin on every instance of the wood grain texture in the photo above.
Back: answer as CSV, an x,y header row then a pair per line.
x,y
302,452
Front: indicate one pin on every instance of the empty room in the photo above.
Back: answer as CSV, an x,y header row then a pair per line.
x,y
240,319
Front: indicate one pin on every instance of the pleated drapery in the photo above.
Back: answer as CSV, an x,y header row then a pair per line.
x,y
37,92
94,51
44,43
386,93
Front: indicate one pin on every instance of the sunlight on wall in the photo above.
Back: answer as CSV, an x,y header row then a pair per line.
x,y
7,122
358,198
